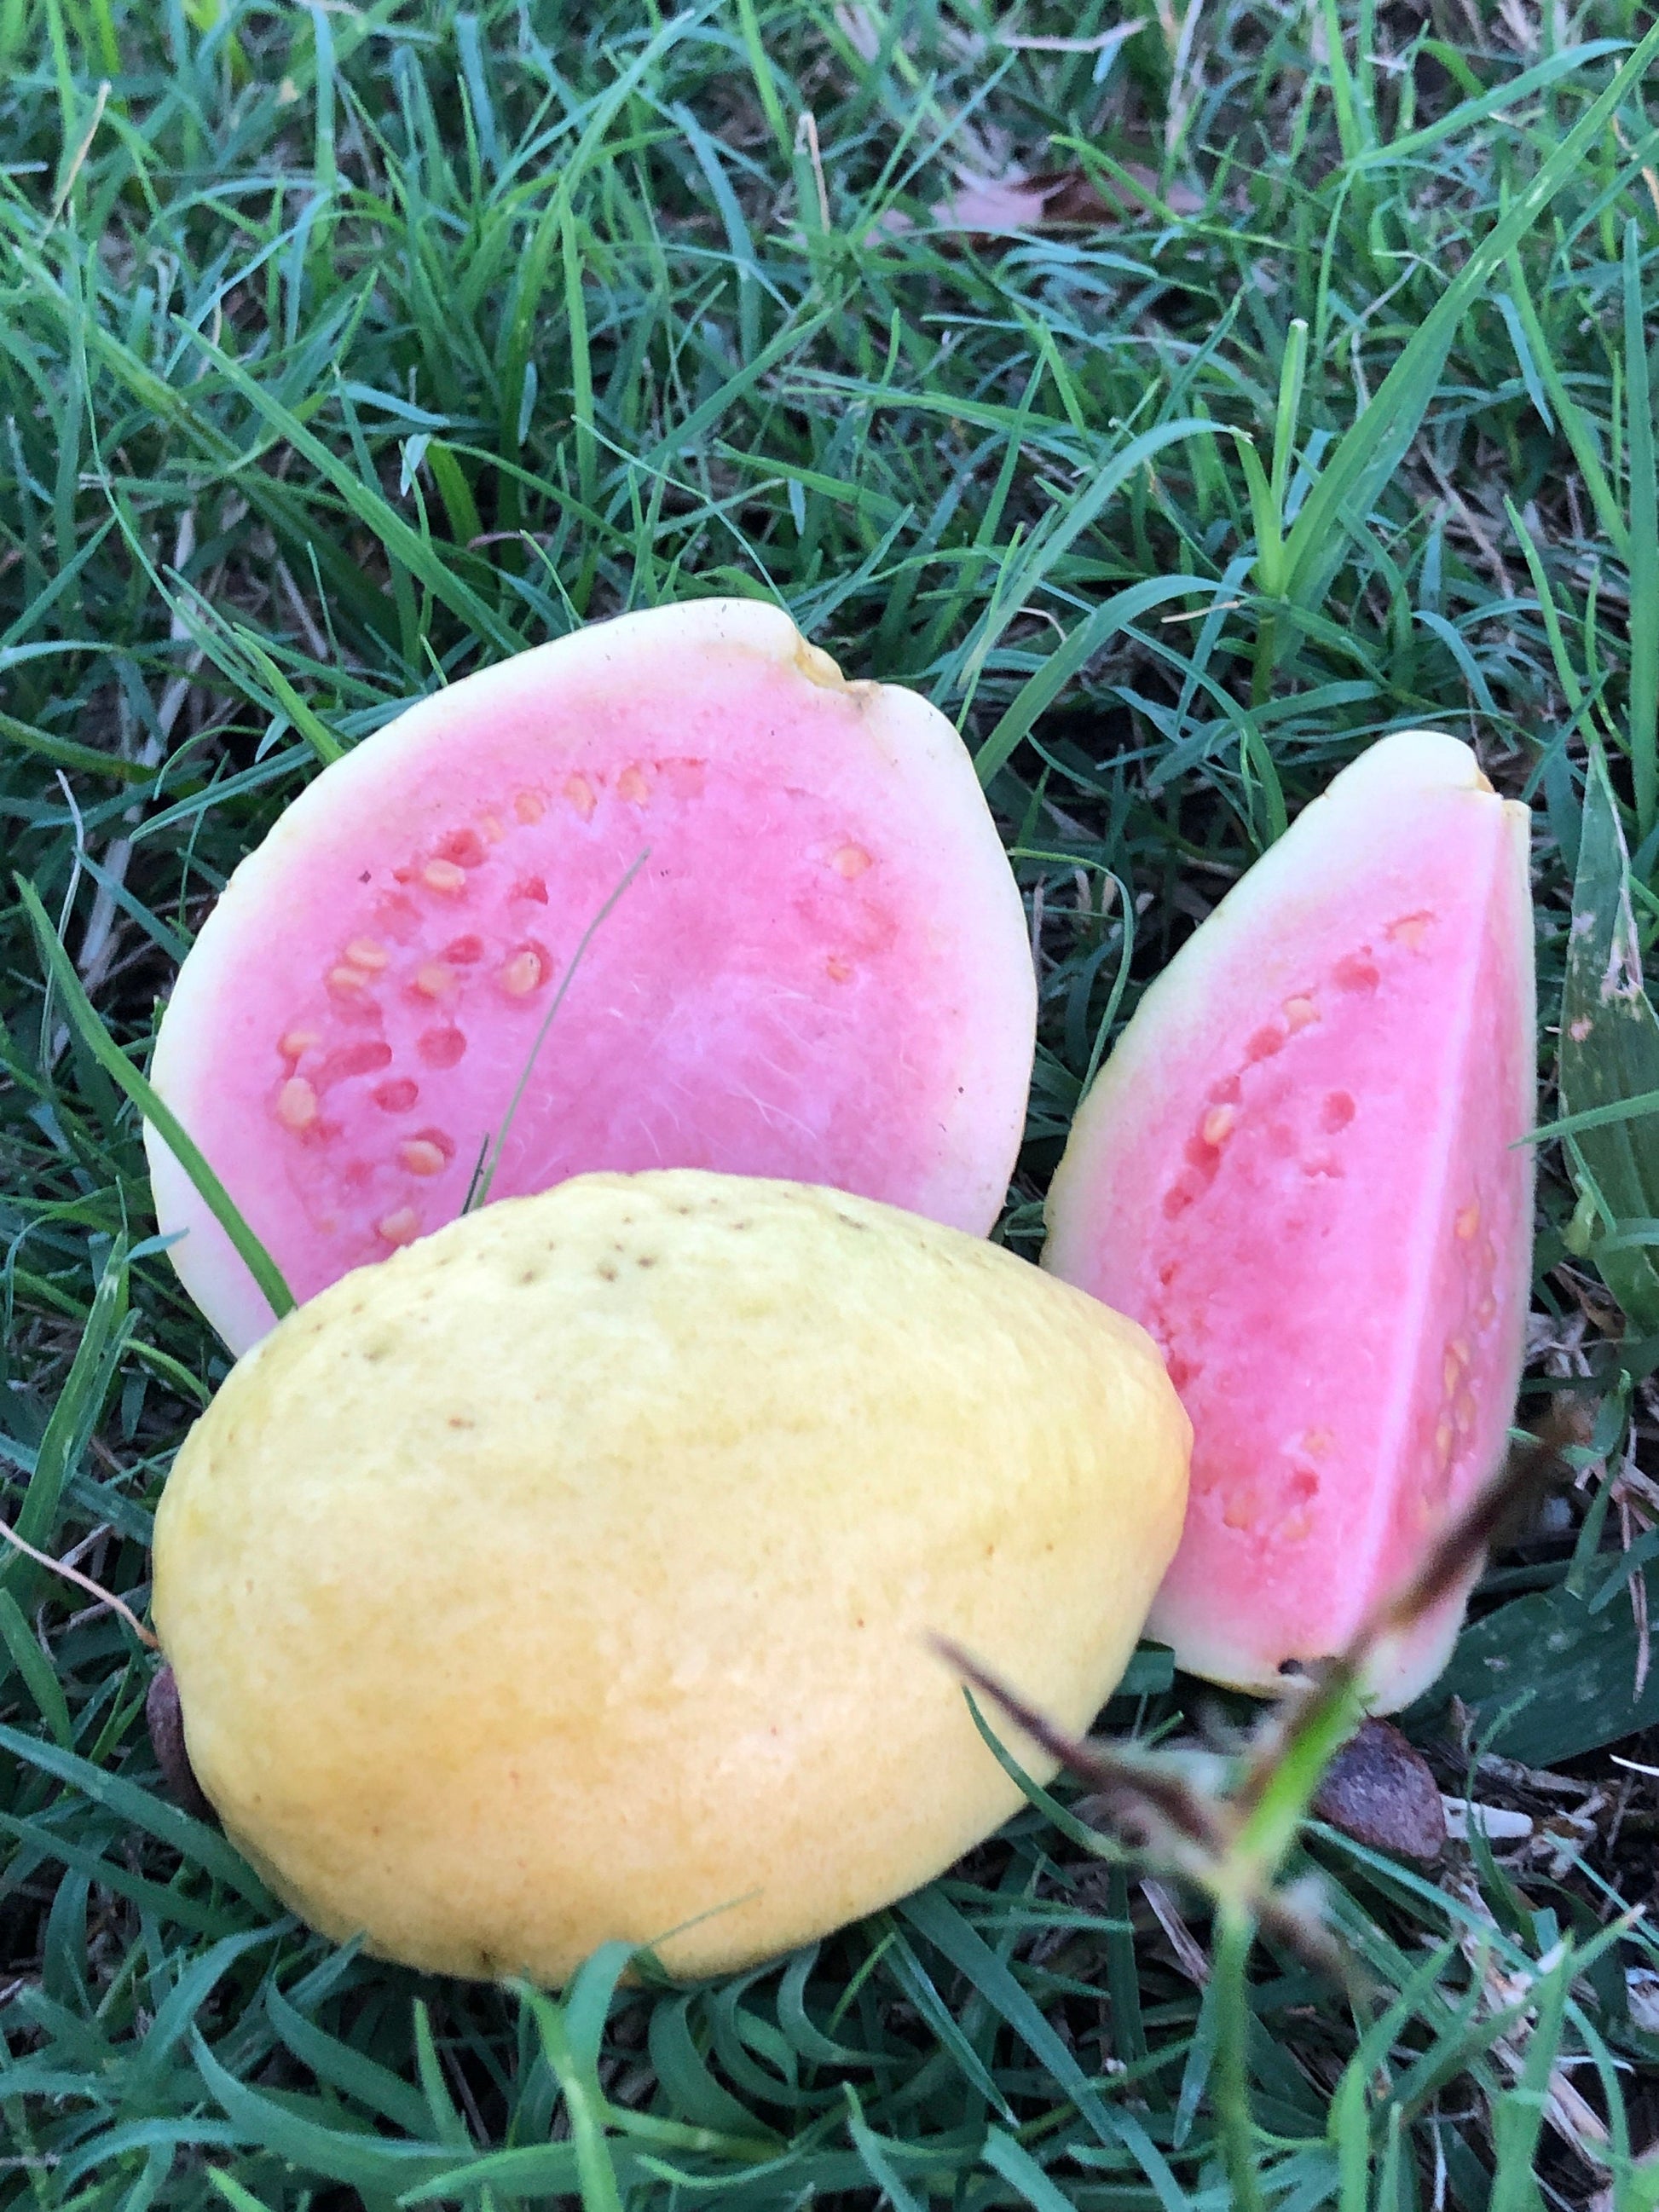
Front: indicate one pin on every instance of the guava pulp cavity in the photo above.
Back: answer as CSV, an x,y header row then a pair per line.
x,y
1299,1169
571,1575
819,971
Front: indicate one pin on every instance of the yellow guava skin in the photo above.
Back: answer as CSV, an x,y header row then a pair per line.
x,y
571,1575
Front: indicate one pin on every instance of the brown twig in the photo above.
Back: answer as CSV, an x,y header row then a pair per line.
x,y
1190,1831
1143,1790
82,1581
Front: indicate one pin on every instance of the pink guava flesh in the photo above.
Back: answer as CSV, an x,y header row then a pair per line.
x,y
819,971
1300,1172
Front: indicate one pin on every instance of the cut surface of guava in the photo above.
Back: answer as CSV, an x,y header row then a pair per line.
x,y
817,971
1300,1171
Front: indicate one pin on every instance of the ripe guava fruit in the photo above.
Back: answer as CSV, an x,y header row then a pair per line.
x,y
1299,1169
820,969
570,1577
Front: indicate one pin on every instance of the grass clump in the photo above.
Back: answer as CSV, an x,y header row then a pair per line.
x,y
1299,392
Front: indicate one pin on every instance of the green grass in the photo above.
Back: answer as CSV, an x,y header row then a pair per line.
x,y
344,350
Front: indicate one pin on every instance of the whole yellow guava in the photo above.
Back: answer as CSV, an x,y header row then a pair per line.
x,y
571,1575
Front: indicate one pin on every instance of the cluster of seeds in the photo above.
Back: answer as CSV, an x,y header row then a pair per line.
x,y
403,961
395,1001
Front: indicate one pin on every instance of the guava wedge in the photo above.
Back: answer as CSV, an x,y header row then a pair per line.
x,y
1299,1169
819,970
571,1577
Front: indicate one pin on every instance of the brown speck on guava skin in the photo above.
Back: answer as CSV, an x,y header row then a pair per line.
x,y
1379,1791
165,1718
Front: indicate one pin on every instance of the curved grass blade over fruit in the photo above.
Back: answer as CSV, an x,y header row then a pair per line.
x,y
479,1194
110,1056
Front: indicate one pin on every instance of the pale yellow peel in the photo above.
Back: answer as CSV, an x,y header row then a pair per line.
x,y
571,1575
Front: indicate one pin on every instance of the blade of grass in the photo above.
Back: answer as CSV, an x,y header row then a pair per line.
x,y
66,752
79,1402
1643,560
760,66
531,279
1574,424
402,542
1513,92
1061,527
479,1195
141,1808
36,1669
1070,657
1370,450
1235,1934
109,1057
584,2108
310,724
939,1922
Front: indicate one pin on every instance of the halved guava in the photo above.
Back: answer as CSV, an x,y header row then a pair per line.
x,y
1299,1171
818,972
